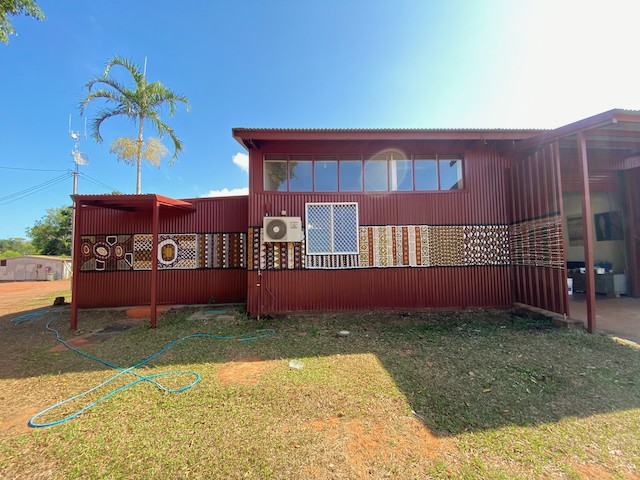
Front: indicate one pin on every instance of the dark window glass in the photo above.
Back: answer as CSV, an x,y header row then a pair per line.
x,y
400,175
345,228
450,174
350,176
375,176
300,176
318,228
332,228
426,173
275,176
325,174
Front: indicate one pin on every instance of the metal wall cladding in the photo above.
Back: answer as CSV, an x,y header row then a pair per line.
x,y
536,192
482,201
112,289
211,215
602,174
108,289
383,288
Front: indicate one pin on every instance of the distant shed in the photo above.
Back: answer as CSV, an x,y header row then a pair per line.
x,y
35,267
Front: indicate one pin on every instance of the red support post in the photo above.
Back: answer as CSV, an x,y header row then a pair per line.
x,y
154,264
75,264
587,229
555,150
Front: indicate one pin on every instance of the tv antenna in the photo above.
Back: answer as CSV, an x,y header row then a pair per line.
x,y
78,157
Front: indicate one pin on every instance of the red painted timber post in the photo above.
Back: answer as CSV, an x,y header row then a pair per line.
x,y
154,264
75,264
555,150
587,228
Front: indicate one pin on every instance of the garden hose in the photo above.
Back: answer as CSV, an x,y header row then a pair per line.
x,y
245,337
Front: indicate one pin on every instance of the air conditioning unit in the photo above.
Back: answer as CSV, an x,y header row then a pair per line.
x,y
282,229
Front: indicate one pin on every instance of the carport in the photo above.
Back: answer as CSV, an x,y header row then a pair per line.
x,y
149,206
597,155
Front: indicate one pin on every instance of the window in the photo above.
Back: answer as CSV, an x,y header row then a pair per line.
x,y
331,228
450,173
325,174
275,175
376,177
390,171
3,263
426,172
350,174
300,175
400,175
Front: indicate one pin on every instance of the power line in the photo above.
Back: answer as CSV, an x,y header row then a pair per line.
x,y
97,182
33,190
33,169
27,190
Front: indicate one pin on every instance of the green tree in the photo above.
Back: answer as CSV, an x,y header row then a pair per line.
x,y
52,234
9,8
143,104
15,246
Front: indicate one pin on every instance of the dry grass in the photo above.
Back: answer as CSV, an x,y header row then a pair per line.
x,y
464,395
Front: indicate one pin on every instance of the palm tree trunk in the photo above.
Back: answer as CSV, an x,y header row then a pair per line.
x,y
139,157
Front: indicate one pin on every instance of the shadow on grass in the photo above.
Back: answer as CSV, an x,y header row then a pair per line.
x,y
459,371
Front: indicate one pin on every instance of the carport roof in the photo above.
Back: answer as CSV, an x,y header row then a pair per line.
x,y
132,202
613,130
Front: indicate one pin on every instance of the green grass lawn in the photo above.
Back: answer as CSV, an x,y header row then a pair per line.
x,y
459,395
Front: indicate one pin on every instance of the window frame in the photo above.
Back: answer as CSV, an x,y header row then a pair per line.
x,y
363,159
331,239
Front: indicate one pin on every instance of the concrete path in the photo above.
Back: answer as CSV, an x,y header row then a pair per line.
x,y
616,316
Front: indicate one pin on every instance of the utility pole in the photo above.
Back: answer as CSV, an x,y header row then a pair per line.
x,y
78,159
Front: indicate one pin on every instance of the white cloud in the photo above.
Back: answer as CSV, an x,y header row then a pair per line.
x,y
225,192
241,160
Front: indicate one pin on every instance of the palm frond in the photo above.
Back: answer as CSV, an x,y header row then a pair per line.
x,y
160,95
162,129
100,117
108,95
133,69
110,82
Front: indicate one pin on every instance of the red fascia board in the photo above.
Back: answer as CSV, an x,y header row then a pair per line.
x,y
131,202
245,136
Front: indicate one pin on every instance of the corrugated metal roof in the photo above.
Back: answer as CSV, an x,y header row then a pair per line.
x,y
388,130
131,202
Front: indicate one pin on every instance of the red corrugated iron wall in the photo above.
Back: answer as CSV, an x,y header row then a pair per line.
x,y
118,288
386,288
537,245
482,202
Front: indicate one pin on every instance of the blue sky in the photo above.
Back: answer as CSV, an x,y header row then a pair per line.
x,y
298,63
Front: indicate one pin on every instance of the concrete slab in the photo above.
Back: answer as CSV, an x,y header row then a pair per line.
x,y
214,313
615,316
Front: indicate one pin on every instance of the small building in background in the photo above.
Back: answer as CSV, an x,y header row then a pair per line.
x,y
35,267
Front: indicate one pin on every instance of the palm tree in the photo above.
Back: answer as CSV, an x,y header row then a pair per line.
x,y
142,105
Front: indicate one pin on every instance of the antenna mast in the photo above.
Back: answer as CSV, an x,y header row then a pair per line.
x,y
78,159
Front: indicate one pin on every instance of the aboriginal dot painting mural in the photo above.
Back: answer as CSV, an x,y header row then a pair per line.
x,y
393,246
106,252
184,251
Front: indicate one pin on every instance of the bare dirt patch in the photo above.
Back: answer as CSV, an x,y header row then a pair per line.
x,y
593,471
19,423
370,441
17,296
244,372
